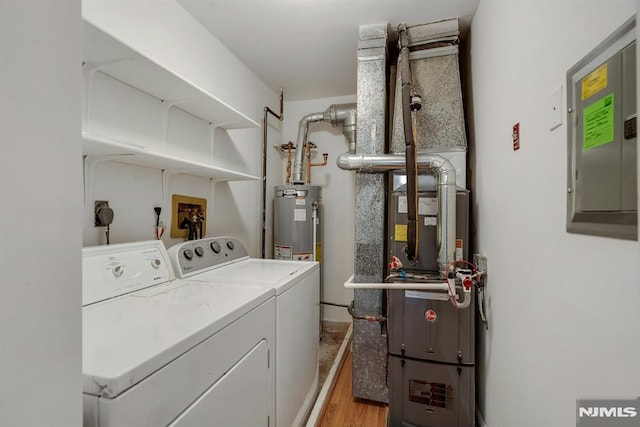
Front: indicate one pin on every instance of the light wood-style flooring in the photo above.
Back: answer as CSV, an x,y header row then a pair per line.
x,y
345,411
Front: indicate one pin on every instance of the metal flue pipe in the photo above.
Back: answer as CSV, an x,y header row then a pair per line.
x,y
336,115
433,164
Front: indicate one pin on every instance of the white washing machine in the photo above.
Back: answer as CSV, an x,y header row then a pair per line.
x,y
160,351
296,287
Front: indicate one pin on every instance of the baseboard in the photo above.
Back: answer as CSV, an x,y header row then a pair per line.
x,y
325,392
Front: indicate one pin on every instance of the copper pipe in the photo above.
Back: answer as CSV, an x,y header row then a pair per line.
x,y
325,156
289,147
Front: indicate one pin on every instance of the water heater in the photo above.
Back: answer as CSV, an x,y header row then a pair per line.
x,y
296,223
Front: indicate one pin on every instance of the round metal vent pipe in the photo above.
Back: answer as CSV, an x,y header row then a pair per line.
x,y
336,115
433,164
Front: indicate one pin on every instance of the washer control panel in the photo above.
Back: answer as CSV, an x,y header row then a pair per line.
x,y
196,256
113,270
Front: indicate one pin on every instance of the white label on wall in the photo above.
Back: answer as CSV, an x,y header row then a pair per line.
x,y
427,206
299,214
431,220
301,201
402,205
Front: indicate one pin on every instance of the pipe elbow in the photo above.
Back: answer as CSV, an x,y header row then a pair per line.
x,y
349,162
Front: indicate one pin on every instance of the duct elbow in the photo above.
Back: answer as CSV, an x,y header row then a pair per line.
x,y
348,162
345,115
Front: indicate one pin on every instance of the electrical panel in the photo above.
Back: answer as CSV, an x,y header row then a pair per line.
x,y
602,145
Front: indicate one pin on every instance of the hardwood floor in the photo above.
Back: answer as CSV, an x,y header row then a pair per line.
x,y
345,411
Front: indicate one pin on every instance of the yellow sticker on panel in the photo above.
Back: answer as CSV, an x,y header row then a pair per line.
x,y
401,232
594,82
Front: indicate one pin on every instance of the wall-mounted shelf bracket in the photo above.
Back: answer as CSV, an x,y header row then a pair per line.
x,y
90,162
90,69
166,107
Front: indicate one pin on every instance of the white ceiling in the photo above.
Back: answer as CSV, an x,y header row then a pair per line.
x,y
308,47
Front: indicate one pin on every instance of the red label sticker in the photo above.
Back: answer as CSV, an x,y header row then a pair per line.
x,y
430,315
516,136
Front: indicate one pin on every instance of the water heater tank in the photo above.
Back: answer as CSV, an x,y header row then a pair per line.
x,y
296,223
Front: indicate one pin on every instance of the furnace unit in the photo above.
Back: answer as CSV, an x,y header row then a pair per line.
x,y
431,342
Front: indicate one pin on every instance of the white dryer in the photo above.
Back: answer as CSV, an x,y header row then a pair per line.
x,y
296,287
161,351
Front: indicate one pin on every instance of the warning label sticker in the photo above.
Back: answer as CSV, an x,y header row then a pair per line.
x,y
303,256
281,252
401,233
594,82
459,250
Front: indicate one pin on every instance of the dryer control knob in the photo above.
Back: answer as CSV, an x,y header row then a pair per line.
x,y
230,245
155,263
117,270
188,254
215,247
199,251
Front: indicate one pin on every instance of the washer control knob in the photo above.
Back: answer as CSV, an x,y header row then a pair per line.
x,y
155,263
199,251
117,270
188,254
230,245
215,247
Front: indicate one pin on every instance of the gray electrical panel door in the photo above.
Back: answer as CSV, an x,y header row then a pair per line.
x,y
602,145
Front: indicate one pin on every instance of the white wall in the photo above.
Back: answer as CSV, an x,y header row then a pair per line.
x,y
338,200
40,213
163,31
563,308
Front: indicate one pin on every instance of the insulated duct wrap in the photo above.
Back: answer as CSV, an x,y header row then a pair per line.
x,y
436,77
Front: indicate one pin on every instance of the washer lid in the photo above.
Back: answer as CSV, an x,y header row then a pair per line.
x,y
127,338
278,275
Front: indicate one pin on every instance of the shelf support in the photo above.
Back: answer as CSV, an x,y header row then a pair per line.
x,y
166,175
90,162
212,142
212,204
166,108
90,69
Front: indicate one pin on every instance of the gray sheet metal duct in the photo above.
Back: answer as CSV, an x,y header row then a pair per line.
x,y
336,114
433,164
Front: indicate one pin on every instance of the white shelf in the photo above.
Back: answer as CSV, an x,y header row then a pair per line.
x,y
140,156
125,64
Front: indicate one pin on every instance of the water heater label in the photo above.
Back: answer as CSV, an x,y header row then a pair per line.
x,y
427,206
282,252
301,201
299,214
